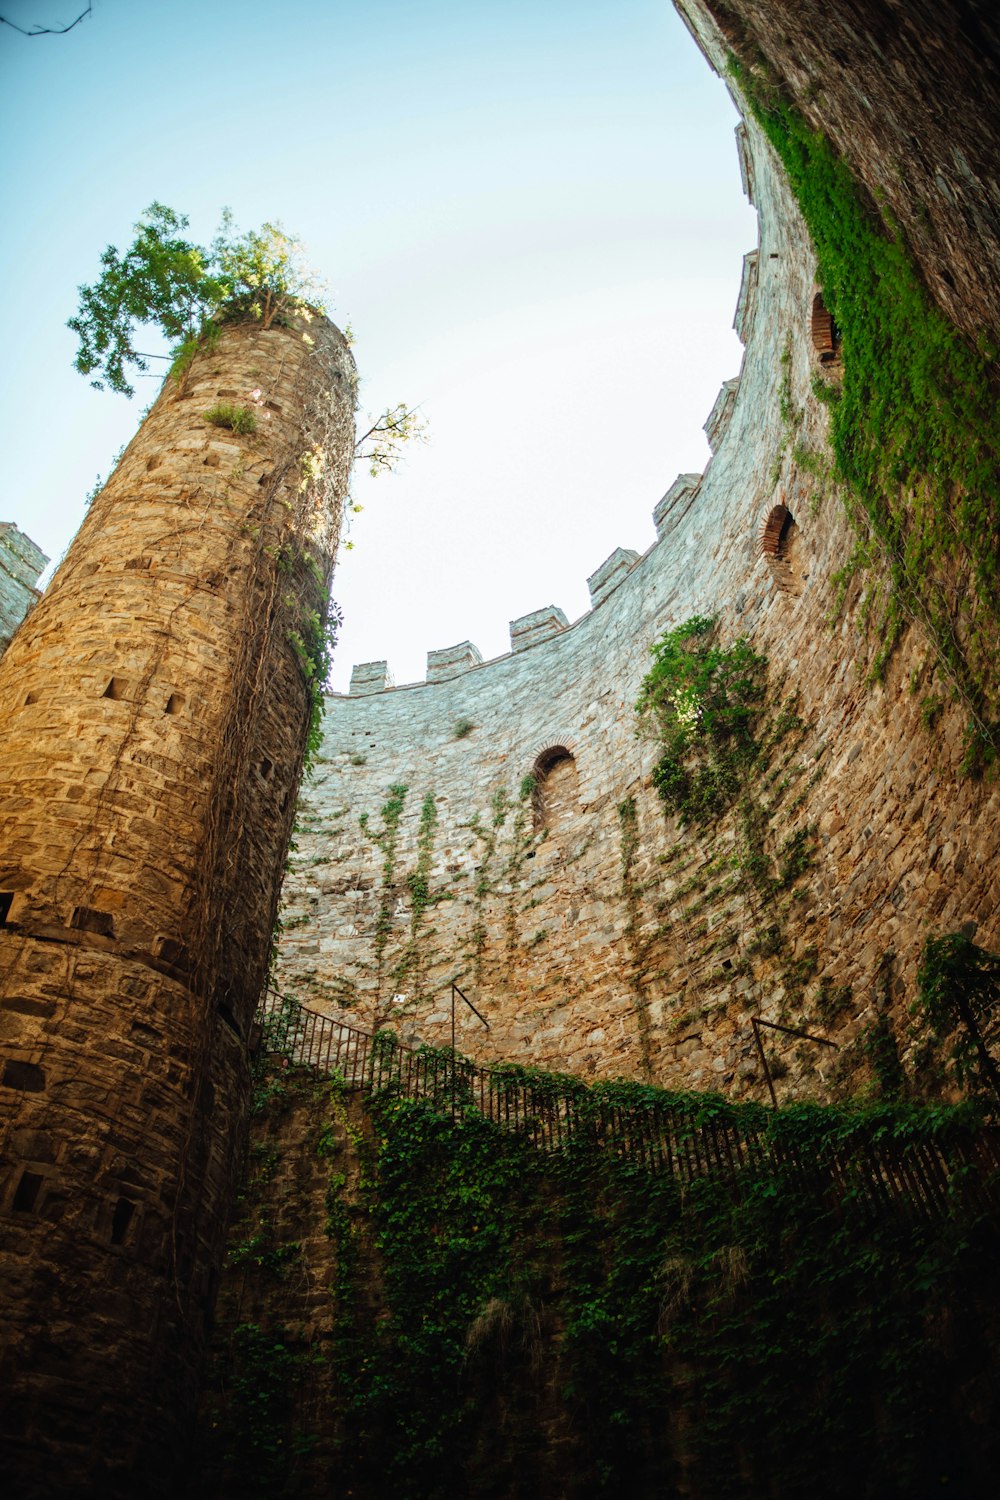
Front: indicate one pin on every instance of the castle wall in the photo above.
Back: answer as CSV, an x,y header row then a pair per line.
x,y
154,709
909,95
21,563
612,941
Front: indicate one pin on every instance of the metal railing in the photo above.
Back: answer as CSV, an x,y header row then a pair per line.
x,y
925,1176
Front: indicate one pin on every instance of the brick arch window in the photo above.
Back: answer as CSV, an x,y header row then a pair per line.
x,y
825,333
557,790
779,546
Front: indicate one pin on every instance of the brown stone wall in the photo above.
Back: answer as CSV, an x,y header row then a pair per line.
x,y
909,93
154,712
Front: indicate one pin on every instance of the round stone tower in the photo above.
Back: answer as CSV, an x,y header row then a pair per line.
x,y
154,712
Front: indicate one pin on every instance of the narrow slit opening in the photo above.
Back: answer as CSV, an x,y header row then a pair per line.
x,y
120,1220
86,919
26,1194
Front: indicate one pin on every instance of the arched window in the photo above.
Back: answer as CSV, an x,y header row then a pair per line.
x,y
825,334
557,792
779,545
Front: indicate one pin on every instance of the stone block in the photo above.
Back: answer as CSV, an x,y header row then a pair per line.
x,y
450,661
675,502
370,677
611,573
538,626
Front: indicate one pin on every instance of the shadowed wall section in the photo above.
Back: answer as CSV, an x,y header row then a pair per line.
x,y
154,712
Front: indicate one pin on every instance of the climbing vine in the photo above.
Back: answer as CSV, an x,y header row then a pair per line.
x,y
728,760
958,1000
701,701
386,839
914,424
504,1312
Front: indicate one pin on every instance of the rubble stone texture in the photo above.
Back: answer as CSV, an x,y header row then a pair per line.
x,y
154,711
595,934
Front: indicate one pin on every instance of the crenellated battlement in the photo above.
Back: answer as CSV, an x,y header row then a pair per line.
x,y
543,624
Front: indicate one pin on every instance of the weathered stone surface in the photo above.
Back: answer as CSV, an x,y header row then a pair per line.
x,y
909,94
371,677
604,941
154,708
21,563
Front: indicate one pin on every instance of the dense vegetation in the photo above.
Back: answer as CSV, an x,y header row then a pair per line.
x,y
509,1322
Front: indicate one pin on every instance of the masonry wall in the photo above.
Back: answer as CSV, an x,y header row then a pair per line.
x,y
21,563
154,710
597,936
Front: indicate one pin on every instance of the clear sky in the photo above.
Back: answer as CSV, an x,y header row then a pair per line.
x,y
529,213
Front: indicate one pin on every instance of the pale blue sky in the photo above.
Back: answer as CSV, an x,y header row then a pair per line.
x,y
530,214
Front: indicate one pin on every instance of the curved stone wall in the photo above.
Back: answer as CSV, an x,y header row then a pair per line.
x,y
154,711
602,938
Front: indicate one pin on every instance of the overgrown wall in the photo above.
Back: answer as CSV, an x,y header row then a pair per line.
x,y
595,933
419,1308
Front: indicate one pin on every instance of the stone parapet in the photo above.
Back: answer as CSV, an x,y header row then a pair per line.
x,y
675,502
21,563
747,301
720,416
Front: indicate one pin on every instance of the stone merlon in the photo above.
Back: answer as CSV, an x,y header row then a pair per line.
x,y
747,300
21,562
449,661
718,417
370,677
611,573
537,626
675,502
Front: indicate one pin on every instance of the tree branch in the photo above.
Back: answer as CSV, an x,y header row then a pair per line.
x,y
48,30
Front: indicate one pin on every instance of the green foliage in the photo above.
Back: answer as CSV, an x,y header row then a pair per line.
x,y
381,446
165,281
386,839
266,1368
958,989
314,643
237,418
915,425
462,728
878,1044
701,701
779,1341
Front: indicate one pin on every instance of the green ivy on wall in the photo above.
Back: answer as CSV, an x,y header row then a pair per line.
x,y
512,1322
914,424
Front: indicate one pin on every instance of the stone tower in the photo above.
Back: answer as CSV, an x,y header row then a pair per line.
x,y
154,711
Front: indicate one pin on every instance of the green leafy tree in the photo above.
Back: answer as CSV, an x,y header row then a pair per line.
x,y
166,281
